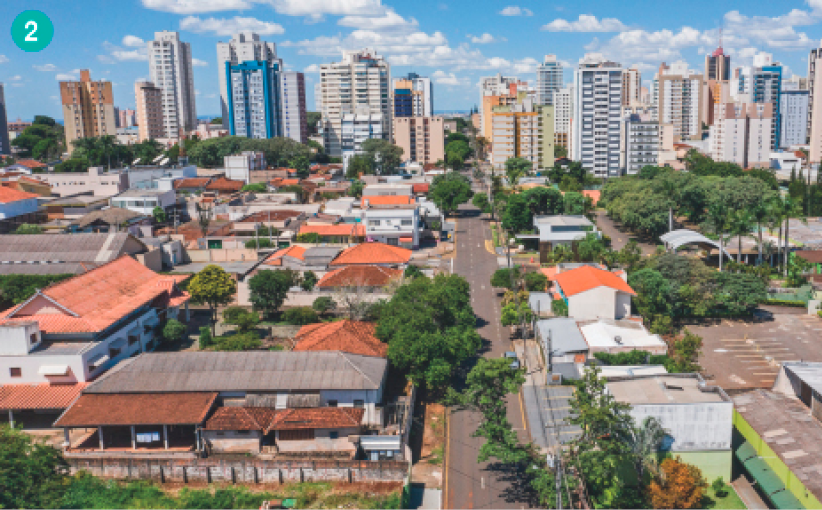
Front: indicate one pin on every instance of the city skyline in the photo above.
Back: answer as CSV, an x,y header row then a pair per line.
x,y
446,41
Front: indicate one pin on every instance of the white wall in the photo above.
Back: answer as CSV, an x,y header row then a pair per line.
x,y
345,398
693,427
596,303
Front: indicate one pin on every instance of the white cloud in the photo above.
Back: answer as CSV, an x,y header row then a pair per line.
x,y
515,10
16,78
442,78
641,46
132,41
586,23
65,77
196,62
312,9
46,67
485,38
313,68
120,54
778,32
389,20
3,59
195,6
227,27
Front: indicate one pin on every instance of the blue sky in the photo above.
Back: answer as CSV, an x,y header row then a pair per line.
x,y
453,41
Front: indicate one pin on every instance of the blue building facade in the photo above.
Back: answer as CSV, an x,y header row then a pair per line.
x,y
766,87
253,99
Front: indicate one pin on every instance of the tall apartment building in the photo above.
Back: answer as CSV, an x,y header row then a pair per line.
x,y
640,143
680,100
358,85
563,110
293,112
549,79
422,139
523,131
766,85
88,108
355,129
243,47
717,92
5,148
413,96
597,115
149,111
815,104
253,100
128,118
794,114
631,87
498,85
718,65
169,65
741,134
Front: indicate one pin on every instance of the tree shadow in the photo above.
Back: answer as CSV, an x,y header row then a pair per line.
x,y
518,484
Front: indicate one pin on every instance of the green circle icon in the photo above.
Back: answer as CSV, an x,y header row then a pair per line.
x,y
32,31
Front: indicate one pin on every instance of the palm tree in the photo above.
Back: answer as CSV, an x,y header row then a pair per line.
x,y
740,225
793,209
718,213
759,214
107,145
775,215
645,441
482,145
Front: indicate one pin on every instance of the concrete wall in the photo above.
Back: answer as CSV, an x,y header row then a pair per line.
x,y
599,302
152,259
294,299
232,441
222,255
693,427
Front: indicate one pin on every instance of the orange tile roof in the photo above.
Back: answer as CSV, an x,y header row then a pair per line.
x,y
223,184
95,409
241,418
420,188
318,418
38,396
192,182
341,229
586,278
262,216
9,195
593,194
386,200
276,258
93,301
356,276
347,336
550,272
373,253
30,163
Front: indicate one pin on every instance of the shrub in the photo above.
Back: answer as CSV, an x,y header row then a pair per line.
x,y
323,304
245,320
559,308
536,282
259,243
309,280
239,342
785,302
412,272
174,330
301,316
205,337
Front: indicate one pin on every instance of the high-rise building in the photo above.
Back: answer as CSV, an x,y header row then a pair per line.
x,y
718,65
88,108
293,114
766,85
357,85
741,83
815,104
597,115
631,87
253,100
741,134
563,101
169,66
640,144
498,85
127,118
413,96
149,101
355,129
243,47
549,79
524,130
680,100
422,139
4,127
794,114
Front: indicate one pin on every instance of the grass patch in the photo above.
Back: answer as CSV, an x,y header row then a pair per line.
x,y
731,499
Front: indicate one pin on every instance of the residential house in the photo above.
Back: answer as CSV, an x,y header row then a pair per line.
x,y
344,233
593,293
28,166
144,201
27,184
275,219
374,200
698,419
192,185
300,258
73,331
388,189
315,403
366,277
222,186
377,254
95,181
563,339
560,230
16,204
397,225
112,219
353,337
613,337
420,189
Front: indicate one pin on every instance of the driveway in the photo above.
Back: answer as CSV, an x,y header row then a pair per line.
x,y
620,235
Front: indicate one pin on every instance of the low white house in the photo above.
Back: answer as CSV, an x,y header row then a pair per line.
x,y
593,293
144,201
397,225
562,229
613,337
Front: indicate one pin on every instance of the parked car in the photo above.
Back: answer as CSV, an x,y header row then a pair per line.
x,y
512,356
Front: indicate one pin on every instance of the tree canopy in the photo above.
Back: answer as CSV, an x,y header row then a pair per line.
x,y
450,190
213,287
269,289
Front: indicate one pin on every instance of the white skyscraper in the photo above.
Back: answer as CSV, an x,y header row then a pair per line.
x,y
563,100
498,85
242,47
169,65
794,106
680,100
549,79
815,104
359,85
292,103
741,134
597,115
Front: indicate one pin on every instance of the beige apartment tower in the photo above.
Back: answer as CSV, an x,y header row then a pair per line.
x,y
422,139
681,100
149,101
815,104
88,108
631,87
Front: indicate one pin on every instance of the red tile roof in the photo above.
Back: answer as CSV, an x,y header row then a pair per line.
x,y
38,396
241,418
276,258
550,272
318,418
9,195
341,229
30,163
386,200
348,336
96,409
420,187
586,278
593,194
373,253
356,276
262,216
192,182
95,300
223,184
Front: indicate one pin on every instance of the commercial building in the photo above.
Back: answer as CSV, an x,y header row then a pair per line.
x,y
413,96
815,105
597,115
5,148
144,201
97,181
741,134
718,65
794,104
422,139
641,142
618,336
393,224
631,87
356,129
293,112
253,100
243,47
88,108
680,100
149,101
358,85
549,80
169,65
14,203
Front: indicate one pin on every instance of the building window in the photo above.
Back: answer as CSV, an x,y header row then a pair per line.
x,y
15,372
359,404
113,352
334,434
332,403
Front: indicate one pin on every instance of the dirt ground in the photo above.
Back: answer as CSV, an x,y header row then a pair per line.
x,y
428,466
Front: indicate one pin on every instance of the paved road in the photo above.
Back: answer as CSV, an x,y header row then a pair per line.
x,y
467,483
620,237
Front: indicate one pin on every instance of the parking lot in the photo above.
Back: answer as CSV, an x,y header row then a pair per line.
x,y
746,354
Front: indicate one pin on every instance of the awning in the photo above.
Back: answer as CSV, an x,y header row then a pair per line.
x,y
768,481
95,409
745,451
406,239
785,499
53,370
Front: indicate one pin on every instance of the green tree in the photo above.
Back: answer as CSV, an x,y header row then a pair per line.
x,y
73,164
239,342
517,216
255,187
516,168
323,304
591,248
568,183
31,472
543,201
559,308
245,320
28,228
630,255
577,203
536,282
309,280
159,214
212,287
268,290
480,201
358,165
412,272
174,330
309,238
513,315
505,278
450,190
356,188
206,339
385,155
300,316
